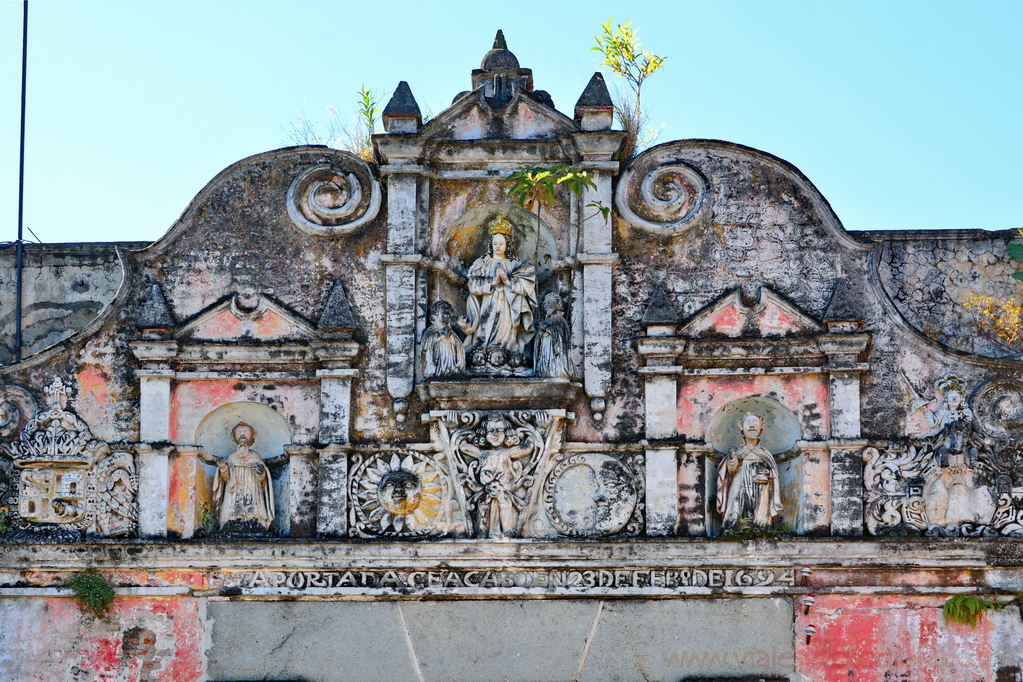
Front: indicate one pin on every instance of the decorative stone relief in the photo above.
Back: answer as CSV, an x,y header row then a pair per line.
x,y
661,194
748,487
498,457
336,198
67,480
951,483
999,408
594,494
402,494
553,341
17,405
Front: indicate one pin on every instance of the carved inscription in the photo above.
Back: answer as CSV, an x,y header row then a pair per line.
x,y
411,580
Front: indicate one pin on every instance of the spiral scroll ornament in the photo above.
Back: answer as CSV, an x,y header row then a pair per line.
x,y
662,195
998,406
336,198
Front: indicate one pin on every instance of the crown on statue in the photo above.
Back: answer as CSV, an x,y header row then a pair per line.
x,y
499,226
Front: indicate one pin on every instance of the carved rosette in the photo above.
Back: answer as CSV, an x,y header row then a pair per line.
x,y
401,494
336,198
998,406
68,479
594,495
661,194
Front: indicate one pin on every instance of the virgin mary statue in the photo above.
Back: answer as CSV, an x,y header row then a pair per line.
x,y
502,297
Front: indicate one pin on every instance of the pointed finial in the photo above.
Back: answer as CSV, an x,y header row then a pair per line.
x,y
660,311
595,109
337,314
402,115
499,43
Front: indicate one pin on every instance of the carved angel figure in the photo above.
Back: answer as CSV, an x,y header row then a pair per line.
x,y
498,474
954,493
443,352
748,489
502,297
242,487
552,340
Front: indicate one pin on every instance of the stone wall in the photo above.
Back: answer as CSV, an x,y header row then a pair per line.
x,y
64,287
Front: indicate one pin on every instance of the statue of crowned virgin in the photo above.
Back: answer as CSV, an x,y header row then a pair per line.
x,y
498,323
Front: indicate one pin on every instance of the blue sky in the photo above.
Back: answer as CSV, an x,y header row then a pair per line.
x,y
906,115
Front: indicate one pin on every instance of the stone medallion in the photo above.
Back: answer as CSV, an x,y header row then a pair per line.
x,y
591,494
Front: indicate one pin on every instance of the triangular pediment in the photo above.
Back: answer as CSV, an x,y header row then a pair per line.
x,y
763,314
524,118
247,318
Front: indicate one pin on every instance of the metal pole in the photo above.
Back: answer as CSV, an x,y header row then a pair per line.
x,y
21,191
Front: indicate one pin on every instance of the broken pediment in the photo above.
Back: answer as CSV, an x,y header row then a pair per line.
x,y
523,118
758,313
247,316
501,105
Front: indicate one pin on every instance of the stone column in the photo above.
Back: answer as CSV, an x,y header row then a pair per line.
x,y
401,154
154,481
188,492
844,346
597,147
661,402
154,404
815,512
335,404
303,463
692,493
332,506
847,487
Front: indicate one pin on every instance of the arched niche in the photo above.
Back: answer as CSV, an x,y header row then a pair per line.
x,y
467,238
780,433
272,433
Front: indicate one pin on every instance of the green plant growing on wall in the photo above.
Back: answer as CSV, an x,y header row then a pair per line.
x,y
207,518
340,132
93,592
622,55
967,610
1016,254
5,521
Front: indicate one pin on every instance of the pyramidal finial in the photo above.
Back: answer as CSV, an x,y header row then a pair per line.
x,y
154,313
337,314
660,311
499,43
401,115
595,94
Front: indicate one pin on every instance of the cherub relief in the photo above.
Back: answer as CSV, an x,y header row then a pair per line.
x,y
499,474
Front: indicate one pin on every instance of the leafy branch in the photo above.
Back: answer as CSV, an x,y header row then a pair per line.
x,y
535,187
622,54
340,132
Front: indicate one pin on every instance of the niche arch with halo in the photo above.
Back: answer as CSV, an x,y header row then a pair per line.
x,y
272,433
780,434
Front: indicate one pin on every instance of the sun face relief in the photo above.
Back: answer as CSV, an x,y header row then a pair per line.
x,y
400,492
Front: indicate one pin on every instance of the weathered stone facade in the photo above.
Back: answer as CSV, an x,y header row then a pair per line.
x,y
373,420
